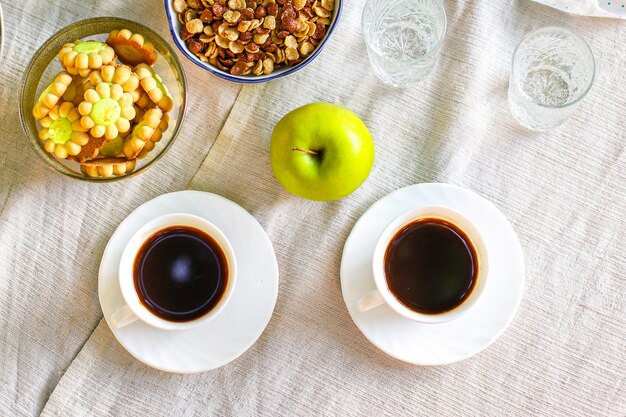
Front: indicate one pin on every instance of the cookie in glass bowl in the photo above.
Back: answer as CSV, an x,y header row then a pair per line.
x,y
107,95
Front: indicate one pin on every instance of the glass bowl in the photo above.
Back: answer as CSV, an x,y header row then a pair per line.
x,y
45,65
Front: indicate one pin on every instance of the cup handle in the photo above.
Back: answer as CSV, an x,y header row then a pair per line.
x,y
369,301
123,317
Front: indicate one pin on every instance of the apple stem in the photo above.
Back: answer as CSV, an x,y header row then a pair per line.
x,y
314,153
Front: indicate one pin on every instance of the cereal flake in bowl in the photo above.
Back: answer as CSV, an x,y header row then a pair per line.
x,y
252,41
103,99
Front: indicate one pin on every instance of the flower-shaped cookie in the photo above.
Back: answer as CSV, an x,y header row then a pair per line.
x,y
132,48
79,86
156,90
82,57
107,167
107,110
142,133
70,92
61,131
120,74
90,150
139,112
156,136
113,147
52,94
143,101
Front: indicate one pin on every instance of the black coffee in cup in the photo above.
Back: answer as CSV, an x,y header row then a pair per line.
x,y
431,266
180,273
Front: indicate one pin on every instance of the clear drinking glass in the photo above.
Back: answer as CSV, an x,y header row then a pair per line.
x,y
553,70
403,38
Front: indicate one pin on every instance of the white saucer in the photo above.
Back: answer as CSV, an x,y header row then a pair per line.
x,y
244,318
435,344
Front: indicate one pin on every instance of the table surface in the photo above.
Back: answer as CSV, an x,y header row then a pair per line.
x,y
563,191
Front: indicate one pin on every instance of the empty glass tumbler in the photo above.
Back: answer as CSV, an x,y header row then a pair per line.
x,y
553,69
403,38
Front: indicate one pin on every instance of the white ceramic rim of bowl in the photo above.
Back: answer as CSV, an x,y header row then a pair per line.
x,y
127,261
614,8
174,25
436,212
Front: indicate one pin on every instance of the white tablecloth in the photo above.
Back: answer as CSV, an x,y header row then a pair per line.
x,y
53,230
564,192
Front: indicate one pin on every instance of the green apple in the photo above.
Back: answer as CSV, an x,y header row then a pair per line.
x,y
321,151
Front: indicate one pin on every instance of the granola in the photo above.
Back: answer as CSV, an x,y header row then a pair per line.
x,y
253,37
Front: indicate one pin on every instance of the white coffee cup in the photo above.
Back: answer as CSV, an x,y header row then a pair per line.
x,y
134,308
382,294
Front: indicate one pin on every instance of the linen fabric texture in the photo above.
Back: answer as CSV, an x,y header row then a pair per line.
x,y
53,229
583,8
563,191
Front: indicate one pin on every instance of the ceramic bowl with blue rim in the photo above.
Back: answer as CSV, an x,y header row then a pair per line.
x,y
176,29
